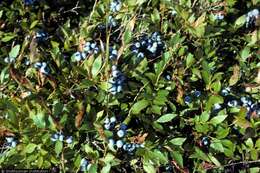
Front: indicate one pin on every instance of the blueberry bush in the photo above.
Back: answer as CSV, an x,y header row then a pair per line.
x,y
130,85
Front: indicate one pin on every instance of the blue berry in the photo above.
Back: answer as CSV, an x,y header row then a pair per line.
x,y
9,139
197,93
168,77
54,137
119,89
84,164
125,147
106,121
119,144
225,91
115,73
44,69
123,126
187,100
41,36
29,2
232,103
205,141
13,144
217,106
114,67
61,137
115,6
131,149
69,140
251,17
120,133
37,65
137,45
111,21
107,126
9,60
113,119
140,55
111,142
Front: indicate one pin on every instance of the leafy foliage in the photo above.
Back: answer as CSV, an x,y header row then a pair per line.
x,y
130,86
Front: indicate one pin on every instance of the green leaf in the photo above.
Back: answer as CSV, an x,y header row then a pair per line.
x,y
155,16
214,160
217,145
96,66
240,21
109,158
139,106
93,168
190,60
178,158
245,53
206,76
204,117
88,149
38,118
166,118
213,100
127,36
177,141
58,147
218,119
216,86
249,142
8,38
200,155
30,148
15,51
33,24
148,167
106,169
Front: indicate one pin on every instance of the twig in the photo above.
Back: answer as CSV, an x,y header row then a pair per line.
x,y
234,164
129,116
73,10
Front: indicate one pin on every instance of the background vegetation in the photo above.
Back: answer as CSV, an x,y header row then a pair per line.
x,y
77,93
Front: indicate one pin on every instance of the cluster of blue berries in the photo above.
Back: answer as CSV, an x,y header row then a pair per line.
x,y
29,2
148,46
59,136
231,101
89,48
219,16
116,81
190,98
84,164
10,142
113,54
42,67
112,22
109,124
251,18
41,36
9,60
111,27
115,6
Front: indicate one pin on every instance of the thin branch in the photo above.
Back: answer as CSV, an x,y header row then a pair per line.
x,y
73,10
235,164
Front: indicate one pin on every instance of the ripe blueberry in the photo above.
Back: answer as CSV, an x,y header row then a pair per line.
x,y
119,143
120,133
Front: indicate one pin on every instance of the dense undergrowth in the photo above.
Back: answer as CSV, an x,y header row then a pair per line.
x,y
130,86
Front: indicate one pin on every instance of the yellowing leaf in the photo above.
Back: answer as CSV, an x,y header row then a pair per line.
x,y
236,75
